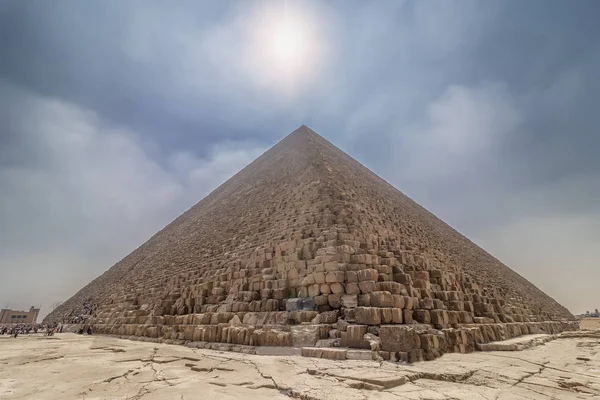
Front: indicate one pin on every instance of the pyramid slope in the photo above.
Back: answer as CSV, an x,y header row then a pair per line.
x,y
265,235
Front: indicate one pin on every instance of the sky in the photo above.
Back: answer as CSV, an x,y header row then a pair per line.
x,y
117,116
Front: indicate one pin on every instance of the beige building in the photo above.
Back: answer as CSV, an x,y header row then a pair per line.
x,y
19,317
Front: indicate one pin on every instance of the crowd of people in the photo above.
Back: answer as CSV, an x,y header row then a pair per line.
x,y
26,329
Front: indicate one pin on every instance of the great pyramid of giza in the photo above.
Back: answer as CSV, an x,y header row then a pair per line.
x,y
306,247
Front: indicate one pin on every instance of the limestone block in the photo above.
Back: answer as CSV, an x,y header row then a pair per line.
x,y
366,355
202,319
368,316
421,275
308,280
337,288
389,286
293,304
342,325
304,335
355,337
314,290
334,300
453,317
407,316
330,266
314,352
308,304
429,342
325,288
439,317
364,300
349,301
333,354
398,301
351,276
381,299
335,276
352,288
396,338
386,315
422,316
402,278
421,284
319,277
415,355
367,286
397,316
367,275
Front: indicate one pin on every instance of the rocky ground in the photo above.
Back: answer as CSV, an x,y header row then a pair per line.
x,y
69,366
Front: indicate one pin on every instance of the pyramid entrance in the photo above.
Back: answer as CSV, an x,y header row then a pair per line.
x,y
306,248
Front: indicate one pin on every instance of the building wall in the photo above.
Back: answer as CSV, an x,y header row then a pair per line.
x,y
19,317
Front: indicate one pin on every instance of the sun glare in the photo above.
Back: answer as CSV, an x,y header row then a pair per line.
x,y
285,48
288,43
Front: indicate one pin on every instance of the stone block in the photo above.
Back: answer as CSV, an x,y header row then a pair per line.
x,y
368,316
367,275
319,277
422,316
426,304
352,288
325,288
439,317
308,304
349,301
398,301
390,286
382,299
351,276
355,337
314,290
365,355
293,304
333,354
334,300
367,286
364,300
386,315
396,338
335,276
336,288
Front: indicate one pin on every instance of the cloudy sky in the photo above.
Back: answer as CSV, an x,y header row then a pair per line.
x,y
116,116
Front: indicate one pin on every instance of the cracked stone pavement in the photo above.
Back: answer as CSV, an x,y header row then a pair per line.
x,y
69,366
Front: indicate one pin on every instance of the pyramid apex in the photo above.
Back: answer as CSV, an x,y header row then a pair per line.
x,y
303,129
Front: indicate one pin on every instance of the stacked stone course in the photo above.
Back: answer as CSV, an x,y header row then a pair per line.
x,y
306,247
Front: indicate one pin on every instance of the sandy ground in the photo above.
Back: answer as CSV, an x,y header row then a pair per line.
x,y
69,366
590,323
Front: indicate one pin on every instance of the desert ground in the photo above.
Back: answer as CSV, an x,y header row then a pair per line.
x,y
70,366
590,323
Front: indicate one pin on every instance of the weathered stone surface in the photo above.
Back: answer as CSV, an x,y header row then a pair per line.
x,y
399,338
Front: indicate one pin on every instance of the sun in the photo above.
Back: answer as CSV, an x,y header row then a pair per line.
x,y
284,49
288,43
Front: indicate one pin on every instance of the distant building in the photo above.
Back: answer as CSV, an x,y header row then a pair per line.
x,y
19,317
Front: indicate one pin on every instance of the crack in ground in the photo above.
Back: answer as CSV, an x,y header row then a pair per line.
x,y
542,368
40,360
544,365
125,375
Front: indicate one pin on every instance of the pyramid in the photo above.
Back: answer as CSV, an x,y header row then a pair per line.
x,y
306,247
